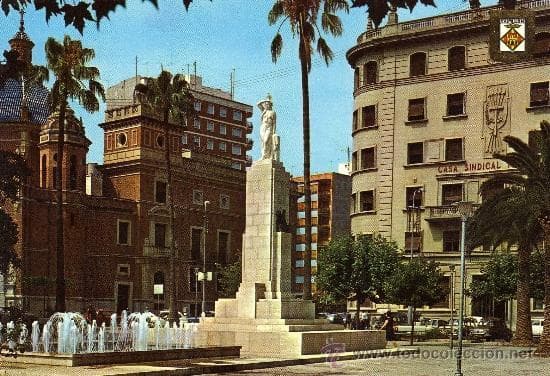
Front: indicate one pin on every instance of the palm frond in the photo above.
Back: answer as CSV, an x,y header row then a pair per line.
x,y
276,12
324,50
276,47
331,24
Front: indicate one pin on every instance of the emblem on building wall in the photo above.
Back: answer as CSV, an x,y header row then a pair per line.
x,y
512,34
496,122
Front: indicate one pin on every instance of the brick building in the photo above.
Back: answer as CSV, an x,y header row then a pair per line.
x,y
330,216
116,221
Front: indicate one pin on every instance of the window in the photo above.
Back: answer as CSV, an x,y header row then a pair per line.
x,y
354,161
123,232
197,141
300,263
223,111
300,230
301,214
300,247
299,279
160,141
223,247
353,203
123,270
196,240
121,140
542,43
222,146
444,284
368,158
223,129
538,304
197,123
453,149
210,126
457,58
224,201
539,94
237,132
236,149
492,189
197,197
356,79
313,262
366,200
370,73
210,144
237,115
197,105
184,139
160,235
354,120
418,64
417,110
72,172
368,116
456,104
451,193
413,240
160,192
414,197
210,109
236,166
415,153
451,241
44,171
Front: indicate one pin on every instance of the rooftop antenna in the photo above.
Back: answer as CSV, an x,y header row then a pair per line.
x,y
195,73
134,96
232,83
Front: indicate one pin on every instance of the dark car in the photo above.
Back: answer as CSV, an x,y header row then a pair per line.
x,y
490,330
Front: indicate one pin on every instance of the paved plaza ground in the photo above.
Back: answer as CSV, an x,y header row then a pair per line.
x,y
480,360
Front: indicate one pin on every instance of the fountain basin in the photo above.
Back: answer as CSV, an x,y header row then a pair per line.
x,y
125,357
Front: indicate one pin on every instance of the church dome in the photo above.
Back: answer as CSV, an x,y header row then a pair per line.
x,y
13,95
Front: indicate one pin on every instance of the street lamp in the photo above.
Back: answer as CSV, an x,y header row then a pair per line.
x,y
204,232
413,217
465,209
452,270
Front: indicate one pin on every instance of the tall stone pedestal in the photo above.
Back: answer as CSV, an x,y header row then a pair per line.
x,y
264,318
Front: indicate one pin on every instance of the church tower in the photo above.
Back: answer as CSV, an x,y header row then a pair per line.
x,y
21,43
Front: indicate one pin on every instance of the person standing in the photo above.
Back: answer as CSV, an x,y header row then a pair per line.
x,y
389,326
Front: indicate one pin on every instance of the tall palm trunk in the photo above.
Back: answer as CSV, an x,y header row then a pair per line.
x,y
524,331
307,178
544,344
172,315
59,247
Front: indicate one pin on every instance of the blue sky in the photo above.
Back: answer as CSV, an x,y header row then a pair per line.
x,y
220,36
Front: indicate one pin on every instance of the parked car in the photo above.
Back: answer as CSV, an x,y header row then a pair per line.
x,y
421,327
335,318
536,325
491,329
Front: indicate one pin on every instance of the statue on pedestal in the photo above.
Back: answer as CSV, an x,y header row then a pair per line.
x,y
268,137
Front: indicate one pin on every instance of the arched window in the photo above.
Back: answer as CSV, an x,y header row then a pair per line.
x,y
370,73
44,174
72,172
54,171
418,64
356,79
457,58
542,43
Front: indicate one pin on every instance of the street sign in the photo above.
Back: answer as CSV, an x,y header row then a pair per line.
x,y
158,289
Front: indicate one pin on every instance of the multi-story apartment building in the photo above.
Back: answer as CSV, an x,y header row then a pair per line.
x,y
218,127
430,109
330,193
115,215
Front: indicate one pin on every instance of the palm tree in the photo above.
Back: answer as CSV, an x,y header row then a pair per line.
x,y
509,209
169,97
532,177
303,16
74,80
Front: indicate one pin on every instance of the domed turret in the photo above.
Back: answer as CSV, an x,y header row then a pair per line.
x,y
22,43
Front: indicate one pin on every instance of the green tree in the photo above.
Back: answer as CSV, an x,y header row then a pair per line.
x,y
303,18
528,183
506,218
355,268
229,279
75,13
13,172
416,283
169,97
74,80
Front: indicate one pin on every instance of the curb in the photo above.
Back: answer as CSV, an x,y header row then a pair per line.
x,y
200,369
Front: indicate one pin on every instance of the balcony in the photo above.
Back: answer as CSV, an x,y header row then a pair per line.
x,y
155,251
248,161
249,127
444,21
443,213
249,144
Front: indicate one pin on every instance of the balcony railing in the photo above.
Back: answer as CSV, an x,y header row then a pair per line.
x,y
249,144
249,127
443,212
153,250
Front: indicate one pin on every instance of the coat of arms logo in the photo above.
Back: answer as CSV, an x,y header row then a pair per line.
x,y
512,34
497,119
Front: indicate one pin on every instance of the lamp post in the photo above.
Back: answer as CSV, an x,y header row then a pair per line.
x,y
204,232
196,291
452,270
412,223
465,209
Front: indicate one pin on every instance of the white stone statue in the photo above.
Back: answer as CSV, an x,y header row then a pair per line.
x,y
268,137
